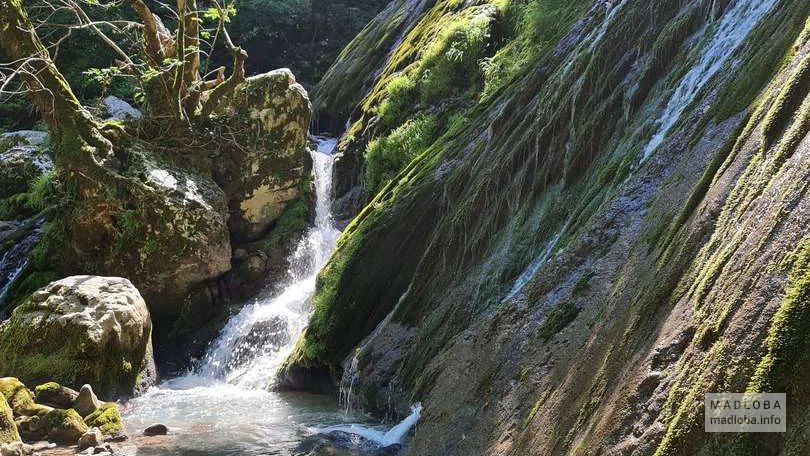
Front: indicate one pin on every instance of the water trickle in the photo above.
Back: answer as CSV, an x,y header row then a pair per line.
x,y
13,260
535,265
225,406
727,35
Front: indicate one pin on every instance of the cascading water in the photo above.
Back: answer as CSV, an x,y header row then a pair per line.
x,y
727,35
225,406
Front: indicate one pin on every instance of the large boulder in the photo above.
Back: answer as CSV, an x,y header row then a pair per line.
x,y
8,430
264,171
165,230
79,330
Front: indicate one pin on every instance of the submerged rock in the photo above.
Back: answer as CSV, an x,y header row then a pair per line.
x,y
156,429
339,443
81,329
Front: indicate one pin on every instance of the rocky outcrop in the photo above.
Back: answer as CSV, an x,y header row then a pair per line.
x,y
23,158
263,172
79,330
603,237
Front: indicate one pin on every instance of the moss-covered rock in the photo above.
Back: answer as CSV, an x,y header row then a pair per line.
x,y
55,395
262,174
63,426
79,330
18,396
8,429
107,418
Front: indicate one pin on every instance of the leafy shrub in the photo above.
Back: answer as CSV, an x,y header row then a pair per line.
x,y
388,155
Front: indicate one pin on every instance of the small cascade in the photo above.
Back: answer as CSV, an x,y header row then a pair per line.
x,y
226,406
13,260
395,435
535,265
727,35
255,341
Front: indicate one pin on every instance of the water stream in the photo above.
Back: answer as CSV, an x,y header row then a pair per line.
x,y
727,35
226,406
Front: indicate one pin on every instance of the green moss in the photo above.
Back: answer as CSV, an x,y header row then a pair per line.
x,y
45,388
788,341
63,426
385,157
556,319
107,418
292,223
582,283
8,429
787,103
17,395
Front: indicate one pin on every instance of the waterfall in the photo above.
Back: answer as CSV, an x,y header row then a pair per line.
x,y
256,340
226,406
728,34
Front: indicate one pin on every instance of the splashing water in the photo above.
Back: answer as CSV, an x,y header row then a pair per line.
x,y
734,26
225,407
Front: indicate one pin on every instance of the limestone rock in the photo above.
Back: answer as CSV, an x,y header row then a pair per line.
x,y
264,175
167,235
118,109
90,439
8,430
81,329
87,402
15,449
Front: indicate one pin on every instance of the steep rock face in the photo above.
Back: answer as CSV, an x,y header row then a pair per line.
x,y
81,330
262,172
622,228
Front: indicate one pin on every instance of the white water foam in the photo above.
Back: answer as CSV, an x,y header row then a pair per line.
x,y
735,24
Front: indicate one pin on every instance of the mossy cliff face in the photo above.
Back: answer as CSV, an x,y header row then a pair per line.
x,y
615,225
81,330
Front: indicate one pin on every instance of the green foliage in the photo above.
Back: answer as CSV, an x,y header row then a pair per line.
x,y
387,156
535,25
292,223
450,65
582,283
